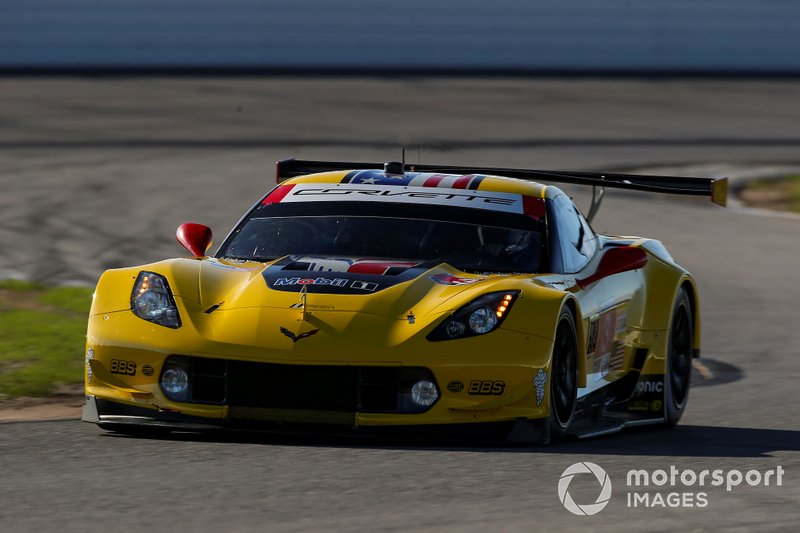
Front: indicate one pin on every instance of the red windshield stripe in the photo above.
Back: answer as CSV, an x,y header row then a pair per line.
x,y
277,195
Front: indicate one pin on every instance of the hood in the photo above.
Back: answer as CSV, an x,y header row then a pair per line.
x,y
376,286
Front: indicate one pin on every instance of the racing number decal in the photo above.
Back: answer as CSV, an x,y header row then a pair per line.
x,y
603,342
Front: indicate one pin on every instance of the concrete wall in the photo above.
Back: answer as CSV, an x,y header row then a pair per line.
x,y
503,34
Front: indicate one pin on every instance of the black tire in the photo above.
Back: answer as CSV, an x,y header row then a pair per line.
x,y
678,371
563,376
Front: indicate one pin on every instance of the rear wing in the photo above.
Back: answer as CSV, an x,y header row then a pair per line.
x,y
714,188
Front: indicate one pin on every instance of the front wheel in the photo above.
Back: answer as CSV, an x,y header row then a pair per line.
x,y
679,360
563,376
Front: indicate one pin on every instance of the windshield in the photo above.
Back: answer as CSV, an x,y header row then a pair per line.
x,y
471,242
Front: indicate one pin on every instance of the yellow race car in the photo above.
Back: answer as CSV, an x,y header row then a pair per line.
x,y
440,300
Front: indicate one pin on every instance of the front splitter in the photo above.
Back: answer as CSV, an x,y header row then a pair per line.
x,y
115,416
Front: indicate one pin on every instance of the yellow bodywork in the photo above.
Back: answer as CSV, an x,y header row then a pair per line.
x,y
374,329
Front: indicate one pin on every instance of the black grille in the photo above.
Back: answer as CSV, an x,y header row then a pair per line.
x,y
299,393
208,380
329,388
291,416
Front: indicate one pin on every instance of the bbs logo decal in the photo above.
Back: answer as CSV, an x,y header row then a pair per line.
x,y
118,366
486,388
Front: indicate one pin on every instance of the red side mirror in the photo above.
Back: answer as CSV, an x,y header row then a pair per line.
x,y
194,237
615,261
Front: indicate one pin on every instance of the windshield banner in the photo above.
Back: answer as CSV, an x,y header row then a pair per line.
x,y
492,201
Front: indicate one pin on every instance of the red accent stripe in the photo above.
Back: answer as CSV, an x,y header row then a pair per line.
x,y
377,267
533,206
462,182
434,180
277,194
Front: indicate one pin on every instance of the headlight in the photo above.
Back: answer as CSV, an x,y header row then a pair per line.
x,y
482,320
175,384
480,316
424,393
152,300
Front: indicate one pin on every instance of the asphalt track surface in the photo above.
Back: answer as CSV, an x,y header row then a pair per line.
x,y
97,173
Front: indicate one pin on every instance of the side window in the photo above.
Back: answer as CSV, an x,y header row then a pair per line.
x,y
576,239
589,237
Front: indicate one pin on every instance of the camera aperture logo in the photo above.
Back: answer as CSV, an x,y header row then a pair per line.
x,y
585,509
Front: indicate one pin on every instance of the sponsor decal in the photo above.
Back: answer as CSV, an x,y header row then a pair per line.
x,y
119,366
301,336
539,382
455,386
364,285
89,357
449,279
650,385
645,405
339,275
486,388
331,282
648,394
335,282
456,197
148,370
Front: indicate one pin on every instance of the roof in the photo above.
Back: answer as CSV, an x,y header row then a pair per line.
x,y
427,179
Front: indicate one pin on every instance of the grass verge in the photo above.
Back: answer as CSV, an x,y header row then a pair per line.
x,y
42,338
782,194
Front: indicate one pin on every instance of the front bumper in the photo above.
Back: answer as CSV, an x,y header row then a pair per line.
x,y
473,388
497,378
115,416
